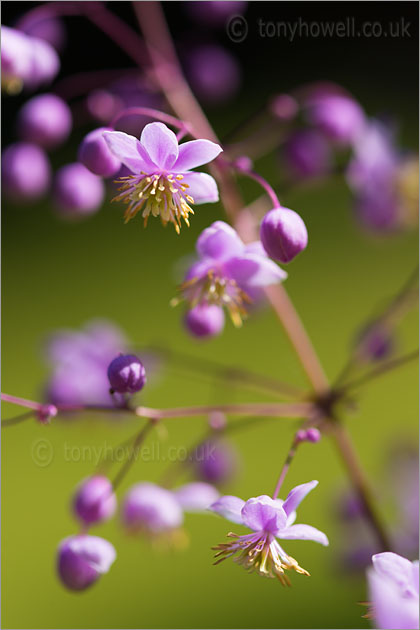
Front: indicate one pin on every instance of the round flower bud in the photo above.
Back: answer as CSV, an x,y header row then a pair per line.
x,y
284,107
214,461
45,63
45,120
307,154
375,343
152,509
95,500
283,234
214,73
205,320
82,559
126,374
94,153
16,58
313,435
340,117
77,191
26,172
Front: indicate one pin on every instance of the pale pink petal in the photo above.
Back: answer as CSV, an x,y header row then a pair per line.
x,y
195,153
263,514
229,507
161,144
303,532
202,187
218,241
129,151
196,496
251,270
297,495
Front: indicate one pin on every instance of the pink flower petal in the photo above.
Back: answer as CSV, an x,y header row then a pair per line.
x,y
297,495
303,532
195,153
202,187
229,507
161,144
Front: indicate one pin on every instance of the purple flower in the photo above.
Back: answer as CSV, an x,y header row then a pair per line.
x,y
394,591
307,154
214,461
26,60
83,559
95,500
94,153
227,270
45,120
214,73
80,360
77,191
339,116
283,234
162,184
205,320
269,519
153,510
384,182
25,172
126,374
150,509
375,342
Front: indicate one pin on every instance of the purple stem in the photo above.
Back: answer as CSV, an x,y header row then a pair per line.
x,y
153,113
262,182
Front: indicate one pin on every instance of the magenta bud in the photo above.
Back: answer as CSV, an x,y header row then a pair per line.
x,y
95,500
300,436
82,560
205,320
283,234
77,191
375,343
94,153
313,435
126,374
26,172
307,153
45,120
214,73
214,461
46,413
45,63
284,107
243,163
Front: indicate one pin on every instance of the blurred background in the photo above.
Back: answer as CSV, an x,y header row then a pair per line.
x,y
60,275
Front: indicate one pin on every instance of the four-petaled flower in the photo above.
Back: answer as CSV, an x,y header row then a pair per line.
x,y
228,273
269,519
162,184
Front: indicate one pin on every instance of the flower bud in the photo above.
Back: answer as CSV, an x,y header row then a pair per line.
x,y
214,461
152,509
94,153
45,120
95,500
77,191
82,559
340,117
307,154
214,73
45,63
205,320
375,343
126,374
26,172
284,107
283,234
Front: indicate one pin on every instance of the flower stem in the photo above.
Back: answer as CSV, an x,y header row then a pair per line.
x,y
153,113
286,466
263,183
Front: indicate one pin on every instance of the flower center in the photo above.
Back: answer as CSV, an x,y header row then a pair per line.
x,y
259,552
159,194
215,289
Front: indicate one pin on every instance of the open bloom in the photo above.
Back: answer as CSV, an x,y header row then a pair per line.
x,y
162,184
228,272
269,519
394,591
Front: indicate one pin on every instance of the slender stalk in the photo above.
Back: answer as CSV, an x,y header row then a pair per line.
x,y
381,369
279,410
346,449
153,113
285,469
141,436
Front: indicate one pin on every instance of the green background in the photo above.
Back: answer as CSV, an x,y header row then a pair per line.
x,y
61,275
